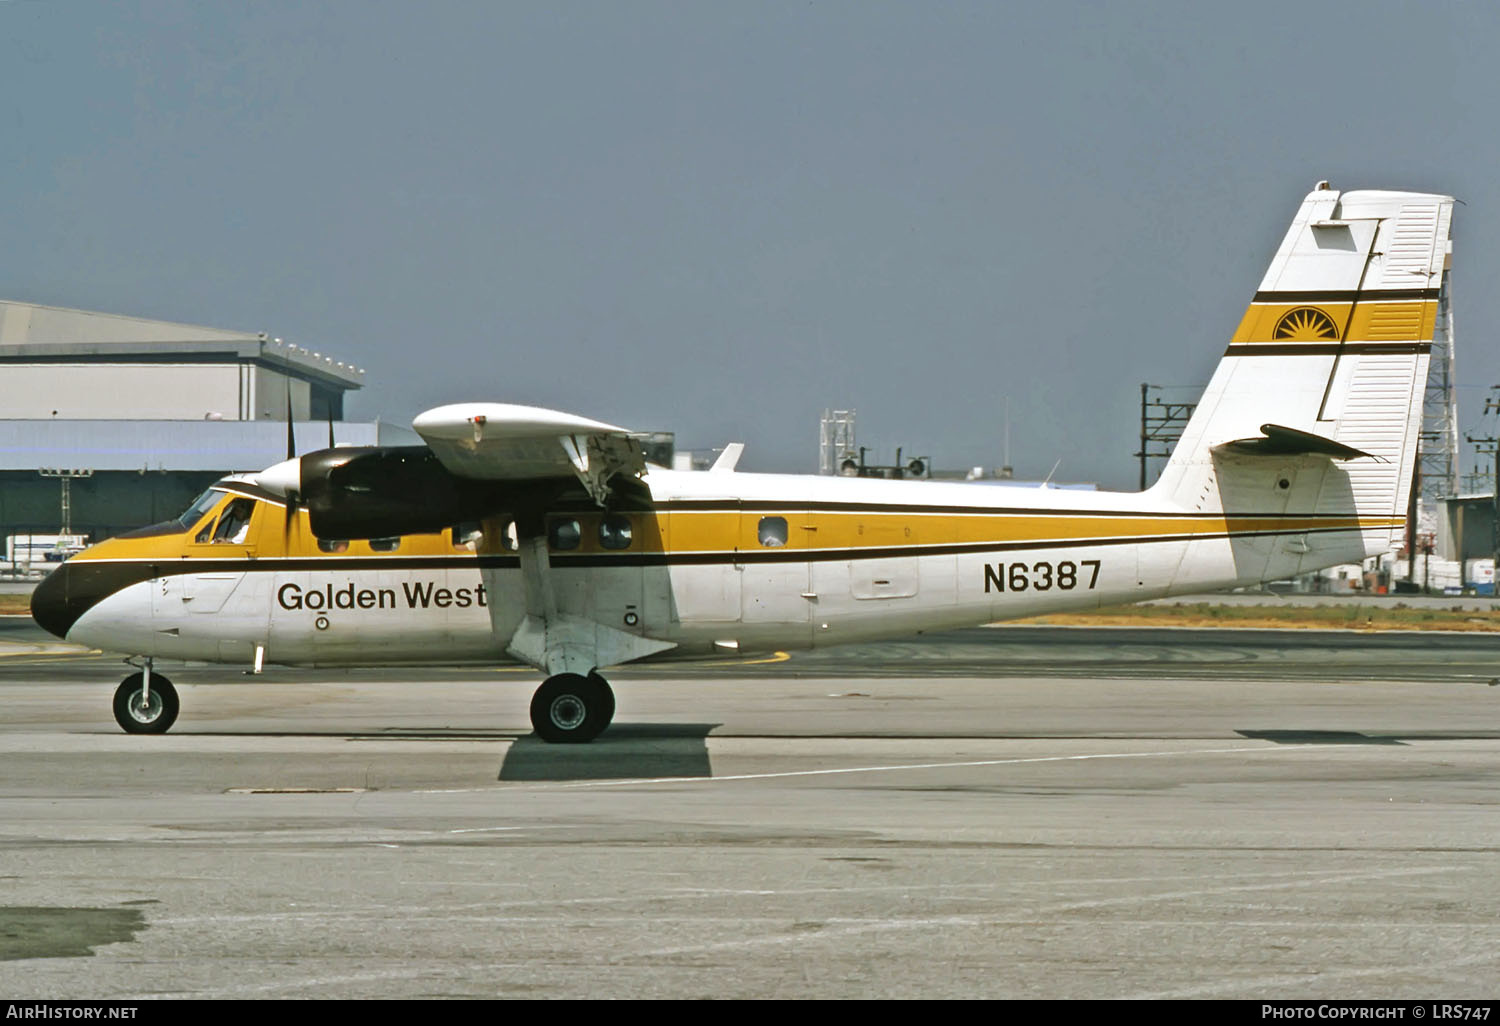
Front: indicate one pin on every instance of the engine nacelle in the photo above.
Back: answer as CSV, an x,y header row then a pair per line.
x,y
384,491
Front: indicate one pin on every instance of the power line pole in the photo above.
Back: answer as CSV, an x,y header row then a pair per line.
x,y
1490,446
1440,456
1413,505
1162,424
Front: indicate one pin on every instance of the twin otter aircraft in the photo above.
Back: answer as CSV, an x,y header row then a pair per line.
x,y
544,537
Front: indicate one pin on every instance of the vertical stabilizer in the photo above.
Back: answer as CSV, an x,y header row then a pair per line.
x,y
1334,345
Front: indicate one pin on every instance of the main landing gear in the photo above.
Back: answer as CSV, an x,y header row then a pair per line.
x,y
570,707
145,703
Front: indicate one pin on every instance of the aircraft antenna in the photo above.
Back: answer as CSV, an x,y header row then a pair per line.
x,y
1047,480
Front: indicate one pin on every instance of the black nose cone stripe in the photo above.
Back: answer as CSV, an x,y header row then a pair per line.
x,y
49,601
75,587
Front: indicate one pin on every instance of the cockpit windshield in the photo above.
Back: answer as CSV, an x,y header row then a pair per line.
x,y
201,505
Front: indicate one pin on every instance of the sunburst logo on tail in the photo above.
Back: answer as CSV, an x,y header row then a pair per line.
x,y
1306,324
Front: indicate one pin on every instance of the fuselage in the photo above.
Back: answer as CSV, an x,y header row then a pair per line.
x,y
710,562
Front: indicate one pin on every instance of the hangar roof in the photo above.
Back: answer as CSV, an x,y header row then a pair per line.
x,y
30,333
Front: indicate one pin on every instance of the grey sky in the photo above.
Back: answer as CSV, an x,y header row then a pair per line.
x,y
719,218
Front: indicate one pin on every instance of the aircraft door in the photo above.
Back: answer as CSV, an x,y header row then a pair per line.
x,y
217,558
775,578
207,602
703,575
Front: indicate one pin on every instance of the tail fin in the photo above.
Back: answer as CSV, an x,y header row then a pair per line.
x,y
1315,409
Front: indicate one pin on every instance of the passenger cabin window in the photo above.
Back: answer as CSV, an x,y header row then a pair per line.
x,y
469,536
333,545
772,532
564,535
385,544
614,532
234,523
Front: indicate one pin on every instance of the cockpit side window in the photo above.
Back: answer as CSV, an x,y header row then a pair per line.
x,y
234,523
201,505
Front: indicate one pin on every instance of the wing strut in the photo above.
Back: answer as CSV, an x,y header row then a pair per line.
x,y
560,642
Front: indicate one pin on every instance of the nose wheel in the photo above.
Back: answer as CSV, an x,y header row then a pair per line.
x,y
572,708
145,710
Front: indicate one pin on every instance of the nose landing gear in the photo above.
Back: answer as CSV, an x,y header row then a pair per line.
x,y
146,703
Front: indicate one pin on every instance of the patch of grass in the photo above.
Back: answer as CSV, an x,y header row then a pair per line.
x,y
15,604
1368,616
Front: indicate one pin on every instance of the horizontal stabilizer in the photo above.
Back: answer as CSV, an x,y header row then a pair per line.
x,y
1284,441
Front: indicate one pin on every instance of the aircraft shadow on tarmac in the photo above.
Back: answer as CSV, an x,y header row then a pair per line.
x,y
1320,737
623,752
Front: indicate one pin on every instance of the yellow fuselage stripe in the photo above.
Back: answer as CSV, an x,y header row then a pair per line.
x,y
673,531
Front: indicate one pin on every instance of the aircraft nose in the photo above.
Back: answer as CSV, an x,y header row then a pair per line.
x,y
49,603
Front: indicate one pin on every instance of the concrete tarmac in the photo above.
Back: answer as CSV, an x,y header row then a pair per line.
x,y
1019,812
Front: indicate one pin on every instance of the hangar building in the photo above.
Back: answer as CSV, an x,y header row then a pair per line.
x,y
132,418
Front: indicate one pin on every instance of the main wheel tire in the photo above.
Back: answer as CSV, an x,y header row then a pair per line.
x,y
608,714
137,714
571,708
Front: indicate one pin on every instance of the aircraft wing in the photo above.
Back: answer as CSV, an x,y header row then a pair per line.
x,y
505,442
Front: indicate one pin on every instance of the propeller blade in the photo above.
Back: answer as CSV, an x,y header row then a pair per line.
x,y
291,435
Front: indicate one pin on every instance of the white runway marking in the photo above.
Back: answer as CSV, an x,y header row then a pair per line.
x,y
891,768
493,910
981,920
1259,986
897,767
1312,880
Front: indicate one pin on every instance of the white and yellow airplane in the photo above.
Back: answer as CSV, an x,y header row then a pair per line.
x,y
527,534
